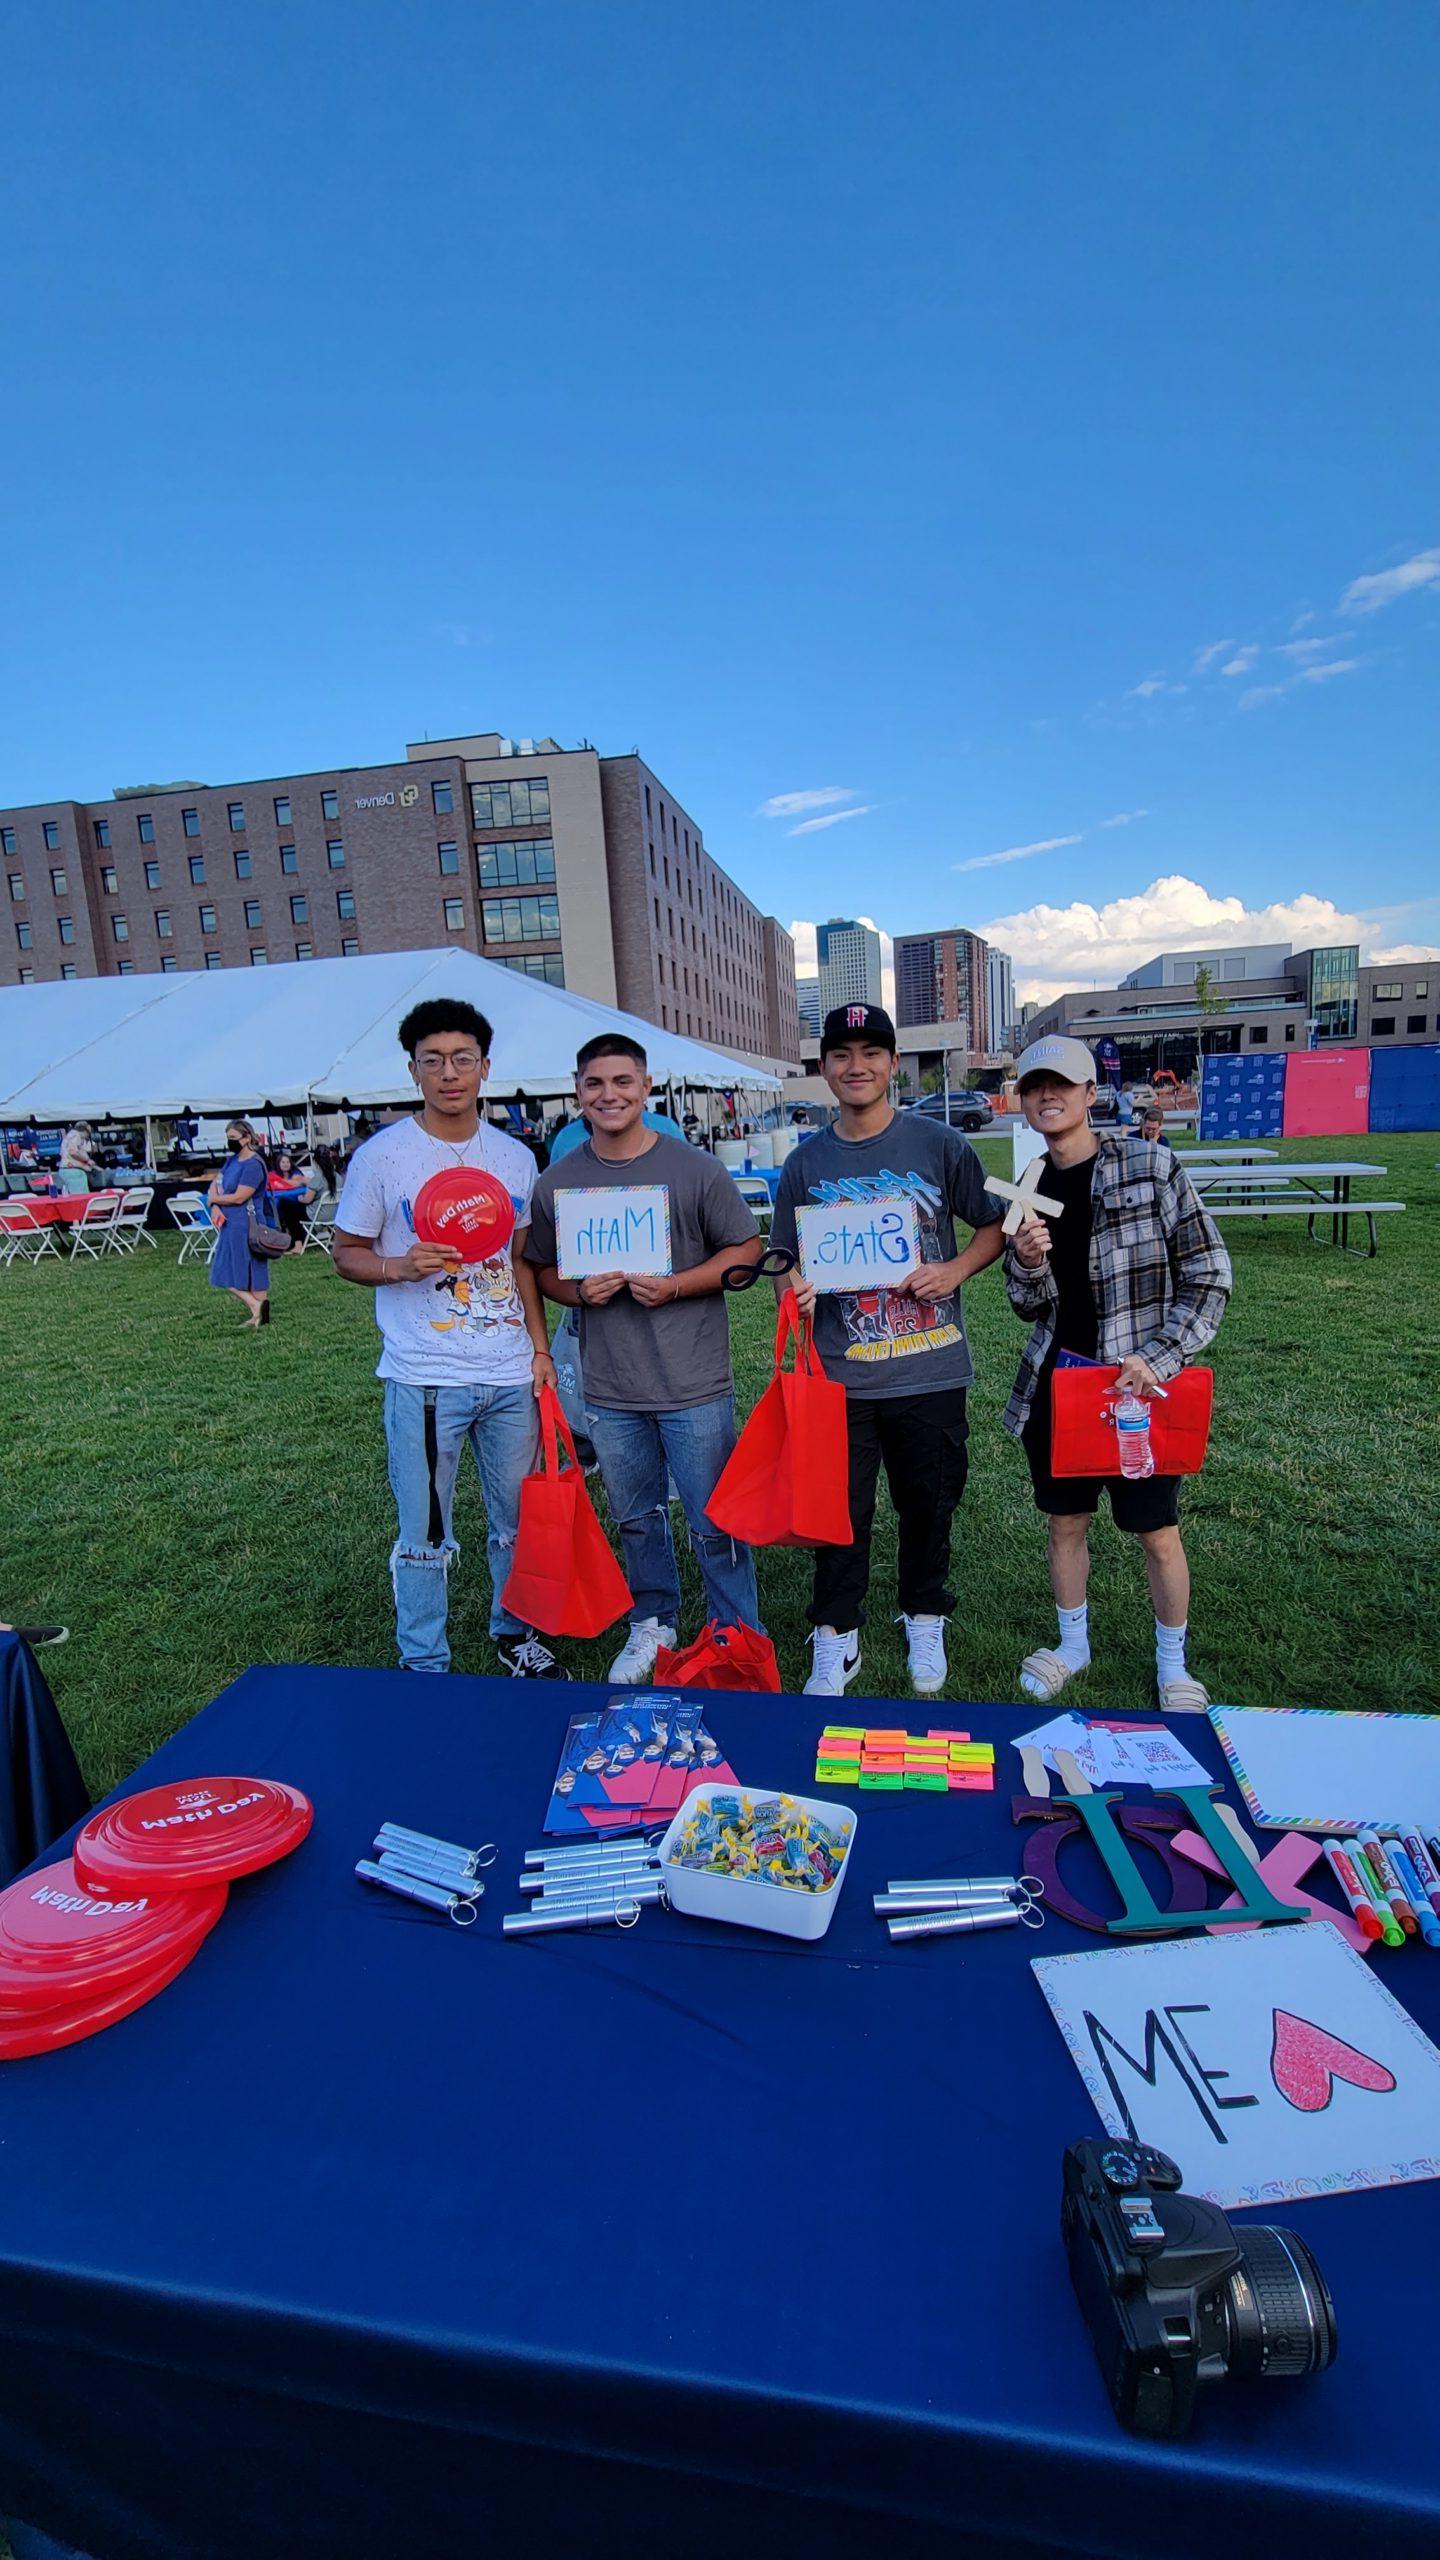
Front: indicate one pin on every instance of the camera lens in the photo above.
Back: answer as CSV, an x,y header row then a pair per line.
x,y
1278,2308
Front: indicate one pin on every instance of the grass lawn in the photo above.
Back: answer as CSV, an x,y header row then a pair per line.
x,y
190,1499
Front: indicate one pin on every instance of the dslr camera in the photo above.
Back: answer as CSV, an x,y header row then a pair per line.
x,y
1174,2295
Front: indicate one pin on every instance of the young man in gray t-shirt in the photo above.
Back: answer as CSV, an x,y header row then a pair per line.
x,y
654,1347
900,1353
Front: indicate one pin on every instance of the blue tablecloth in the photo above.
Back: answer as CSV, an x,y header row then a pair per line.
x,y
370,2235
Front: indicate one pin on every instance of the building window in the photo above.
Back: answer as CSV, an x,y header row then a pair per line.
x,y
539,964
282,809
168,960
1387,994
146,826
67,934
510,804
152,875
52,836
162,923
349,950
449,858
304,950
1382,1030
335,853
1413,1021
289,859
7,839
516,866
345,905
1257,1035
252,914
207,920
124,968
329,804
1289,1030
57,883
1421,987
213,959
521,919
25,937
242,863
197,870
259,959
443,796
27,976
109,879
300,909
235,811
68,969
17,885
120,927
454,915
190,821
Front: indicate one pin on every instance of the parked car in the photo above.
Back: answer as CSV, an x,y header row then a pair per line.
x,y
967,1110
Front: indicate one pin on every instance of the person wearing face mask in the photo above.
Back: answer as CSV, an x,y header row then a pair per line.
x,y
239,1187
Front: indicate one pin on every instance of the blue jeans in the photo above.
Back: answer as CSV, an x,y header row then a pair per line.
x,y
425,1431
638,1453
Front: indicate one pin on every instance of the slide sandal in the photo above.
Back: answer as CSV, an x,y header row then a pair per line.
x,y
1183,1698
1043,1674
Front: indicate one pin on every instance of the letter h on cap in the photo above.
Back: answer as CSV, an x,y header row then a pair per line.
x,y
855,1016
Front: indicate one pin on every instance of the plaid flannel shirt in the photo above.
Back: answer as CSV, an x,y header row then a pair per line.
x,y
1158,1269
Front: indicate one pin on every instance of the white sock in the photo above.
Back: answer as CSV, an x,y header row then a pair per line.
x,y
1169,1652
1074,1645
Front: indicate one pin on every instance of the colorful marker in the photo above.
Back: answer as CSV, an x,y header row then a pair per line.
x,y
1362,1908
1423,1864
1425,1919
1378,1860
1390,1929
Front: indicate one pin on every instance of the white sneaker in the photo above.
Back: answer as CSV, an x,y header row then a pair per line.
x,y
925,1639
636,1658
837,1659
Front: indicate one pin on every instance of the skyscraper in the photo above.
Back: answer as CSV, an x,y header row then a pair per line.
x,y
940,977
807,997
849,958
1000,998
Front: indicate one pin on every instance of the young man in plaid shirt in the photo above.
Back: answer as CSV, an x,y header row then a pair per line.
x,y
1132,1272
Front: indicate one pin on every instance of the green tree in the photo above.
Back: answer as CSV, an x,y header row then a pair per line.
x,y
1208,998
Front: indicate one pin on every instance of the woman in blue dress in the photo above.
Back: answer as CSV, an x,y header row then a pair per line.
x,y
238,1188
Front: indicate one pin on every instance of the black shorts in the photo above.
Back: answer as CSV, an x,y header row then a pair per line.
x,y
1137,1503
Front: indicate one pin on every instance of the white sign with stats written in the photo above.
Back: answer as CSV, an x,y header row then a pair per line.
x,y
858,1244
621,1228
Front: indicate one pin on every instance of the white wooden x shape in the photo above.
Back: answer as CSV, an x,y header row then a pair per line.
x,y
1023,1195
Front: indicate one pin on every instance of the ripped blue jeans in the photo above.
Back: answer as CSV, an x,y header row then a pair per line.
x,y
425,1431
639,1453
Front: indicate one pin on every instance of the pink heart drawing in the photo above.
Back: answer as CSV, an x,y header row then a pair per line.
x,y
1306,2061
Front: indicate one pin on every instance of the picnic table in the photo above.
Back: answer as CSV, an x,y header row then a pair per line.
x,y
1309,1191
1226,1155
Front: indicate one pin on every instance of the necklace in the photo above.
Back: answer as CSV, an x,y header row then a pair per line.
x,y
459,1153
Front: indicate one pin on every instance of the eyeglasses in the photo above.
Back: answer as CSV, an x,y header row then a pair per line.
x,y
465,1061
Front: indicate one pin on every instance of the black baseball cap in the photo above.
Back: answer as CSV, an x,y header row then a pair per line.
x,y
846,1022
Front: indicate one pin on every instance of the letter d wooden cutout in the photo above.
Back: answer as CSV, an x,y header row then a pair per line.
x,y
1140,1917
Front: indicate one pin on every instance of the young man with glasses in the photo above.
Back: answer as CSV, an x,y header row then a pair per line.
x,y
464,1351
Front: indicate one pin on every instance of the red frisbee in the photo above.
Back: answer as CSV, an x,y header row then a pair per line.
x,y
60,1945
46,2029
199,1831
467,1208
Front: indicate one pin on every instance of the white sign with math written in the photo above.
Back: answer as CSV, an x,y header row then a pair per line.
x,y
858,1244
624,1227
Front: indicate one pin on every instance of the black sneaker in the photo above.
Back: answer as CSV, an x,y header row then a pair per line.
x,y
43,1635
526,1658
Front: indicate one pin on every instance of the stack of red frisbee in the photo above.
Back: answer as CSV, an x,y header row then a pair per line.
x,y
93,1937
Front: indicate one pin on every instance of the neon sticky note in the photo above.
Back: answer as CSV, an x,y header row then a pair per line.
x,y
933,1736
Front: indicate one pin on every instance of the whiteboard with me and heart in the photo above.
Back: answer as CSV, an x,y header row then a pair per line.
x,y
1270,2064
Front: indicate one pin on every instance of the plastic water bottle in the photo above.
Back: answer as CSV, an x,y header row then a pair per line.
x,y
1132,1422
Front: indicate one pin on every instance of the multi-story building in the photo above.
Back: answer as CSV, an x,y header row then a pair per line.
x,y
849,958
941,978
999,998
1265,997
807,998
577,868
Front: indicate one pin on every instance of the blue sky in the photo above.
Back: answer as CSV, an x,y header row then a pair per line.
x,y
982,413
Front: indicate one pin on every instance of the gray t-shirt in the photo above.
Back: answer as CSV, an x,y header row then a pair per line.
x,y
653,1359
883,1342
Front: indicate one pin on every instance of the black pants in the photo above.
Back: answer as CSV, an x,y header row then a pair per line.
x,y
921,1440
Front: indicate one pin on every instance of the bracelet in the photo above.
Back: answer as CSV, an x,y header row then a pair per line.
x,y
675,1292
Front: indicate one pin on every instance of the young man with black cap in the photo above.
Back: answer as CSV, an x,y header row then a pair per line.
x,y
1132,1270
900,1353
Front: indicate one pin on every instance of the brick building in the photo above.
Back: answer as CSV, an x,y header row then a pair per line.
x,y
577,868
942,978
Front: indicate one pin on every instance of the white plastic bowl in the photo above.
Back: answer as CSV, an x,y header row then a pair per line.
x,y
753,1902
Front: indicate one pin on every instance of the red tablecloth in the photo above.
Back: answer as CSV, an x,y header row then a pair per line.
x,y
49,1213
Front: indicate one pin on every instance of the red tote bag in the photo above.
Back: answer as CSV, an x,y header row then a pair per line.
x,y
1083,1439
786,1481
721,1658
564,1579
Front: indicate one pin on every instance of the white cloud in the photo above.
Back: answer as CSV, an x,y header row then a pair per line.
x,y
1324,674
1307,648
1259,693
1302,621
1367,595
1054,948
1017,853
793,804
1124,818
1147,686
1335,667
1206,657
812,826
1243,660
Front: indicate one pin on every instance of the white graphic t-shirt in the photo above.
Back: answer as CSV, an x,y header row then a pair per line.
x,y
458,1328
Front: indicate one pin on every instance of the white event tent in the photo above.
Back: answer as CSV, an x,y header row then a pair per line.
x,y
315,1032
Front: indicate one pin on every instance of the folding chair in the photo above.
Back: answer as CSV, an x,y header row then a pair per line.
x,y
319,1226
129,1228
93,1229
756,1195
197,1236
23,1236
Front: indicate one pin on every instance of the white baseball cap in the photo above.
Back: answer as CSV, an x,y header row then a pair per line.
x,y
1068,1059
